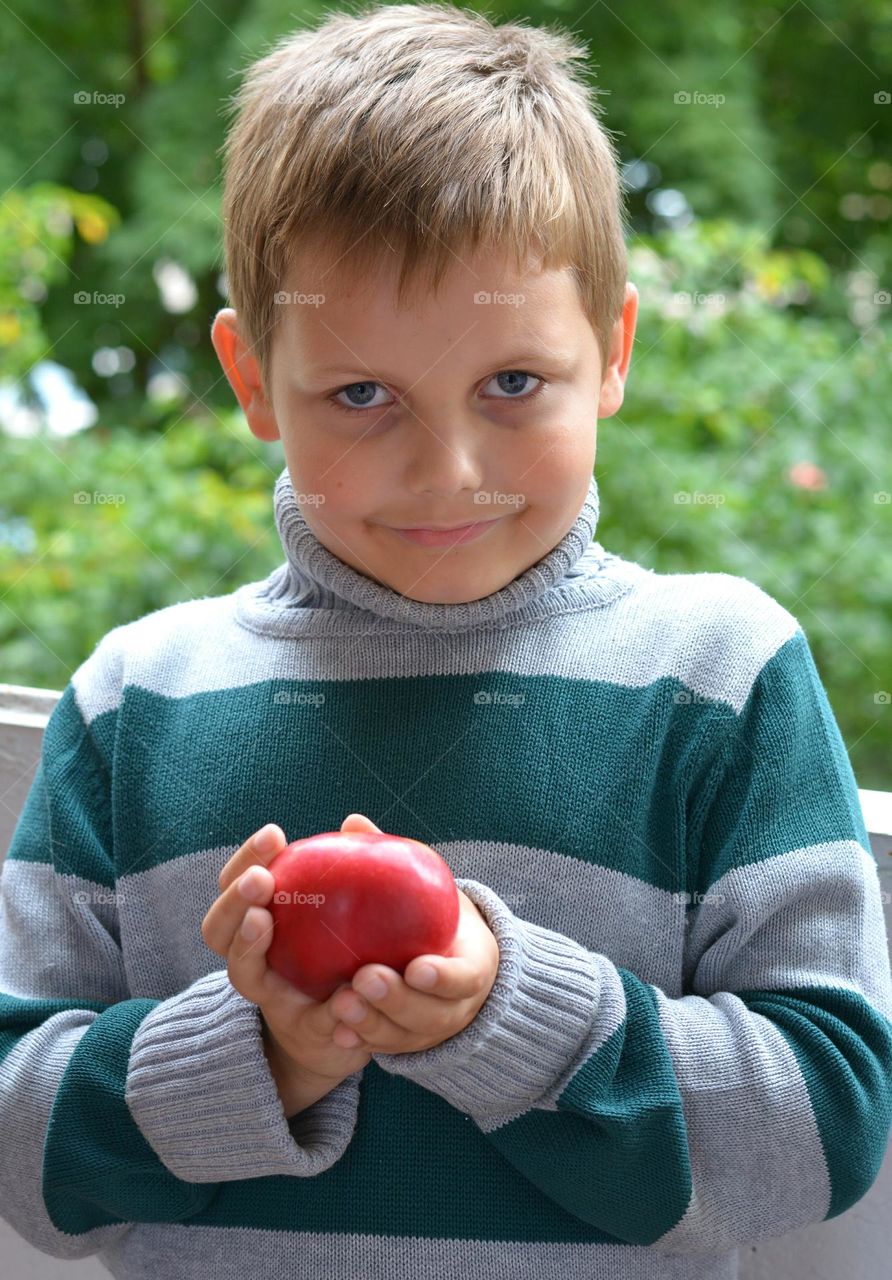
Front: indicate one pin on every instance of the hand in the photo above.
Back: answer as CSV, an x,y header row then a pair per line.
x,y
410,1016
299,1029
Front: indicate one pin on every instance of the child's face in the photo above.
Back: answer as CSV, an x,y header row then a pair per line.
x,y
450,415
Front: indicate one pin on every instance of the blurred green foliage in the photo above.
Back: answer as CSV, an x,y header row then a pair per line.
x,y
754,440
754,435
106,526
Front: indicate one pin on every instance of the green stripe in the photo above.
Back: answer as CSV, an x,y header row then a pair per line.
x,y
30,839
782,779
615,1155
67,817
430,1172
98,1169
421,758
844,1049
597,771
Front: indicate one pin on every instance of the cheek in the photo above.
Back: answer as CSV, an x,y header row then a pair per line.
x,y
566,430
551,472
337,489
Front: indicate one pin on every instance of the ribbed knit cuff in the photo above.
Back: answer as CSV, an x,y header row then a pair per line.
x,y
528,1031
201,1091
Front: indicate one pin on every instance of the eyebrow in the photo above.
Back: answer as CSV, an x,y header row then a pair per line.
x,y
560,359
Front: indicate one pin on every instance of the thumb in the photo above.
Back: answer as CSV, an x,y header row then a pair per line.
x,y
359,822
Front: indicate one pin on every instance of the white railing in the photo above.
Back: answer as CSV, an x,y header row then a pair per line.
x,y
857,1244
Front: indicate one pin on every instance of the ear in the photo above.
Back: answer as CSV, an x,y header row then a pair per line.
x,y
613,378
243,371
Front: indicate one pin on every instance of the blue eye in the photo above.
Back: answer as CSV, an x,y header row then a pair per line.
x,y
366,392
366,395
515,373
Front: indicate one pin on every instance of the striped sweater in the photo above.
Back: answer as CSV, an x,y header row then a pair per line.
x,y
637,778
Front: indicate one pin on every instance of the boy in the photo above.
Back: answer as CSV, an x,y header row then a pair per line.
x,y
665,1031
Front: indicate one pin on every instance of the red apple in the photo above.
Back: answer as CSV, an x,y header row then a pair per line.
x,y
343,899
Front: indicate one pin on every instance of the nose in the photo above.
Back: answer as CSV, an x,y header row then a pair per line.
x,y
445,458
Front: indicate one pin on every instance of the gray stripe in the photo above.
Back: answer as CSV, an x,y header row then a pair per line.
x,y
712,632
637,925
757,1163
209,1253
810,917
59,936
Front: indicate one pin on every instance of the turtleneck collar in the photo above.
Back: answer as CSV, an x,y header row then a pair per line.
x,y
313,578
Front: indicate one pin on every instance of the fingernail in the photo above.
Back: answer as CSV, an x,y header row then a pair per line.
x,y
354,1014
251,929
266,839
425,976
249,885
374,988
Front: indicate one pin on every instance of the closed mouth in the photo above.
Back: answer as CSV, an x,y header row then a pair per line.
x,y
440,528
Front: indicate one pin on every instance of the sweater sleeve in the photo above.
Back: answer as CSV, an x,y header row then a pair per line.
x,y
761,1099
116,1109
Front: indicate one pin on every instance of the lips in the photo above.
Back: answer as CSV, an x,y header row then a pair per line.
x,y
440,528
447,537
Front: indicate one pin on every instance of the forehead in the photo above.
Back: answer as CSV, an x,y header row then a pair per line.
x,y
330,309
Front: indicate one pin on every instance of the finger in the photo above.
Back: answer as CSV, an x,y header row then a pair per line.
x,y
323,1021
262,847
455,977
413,1022
249,972
359,822
371,1027
224,919
461,973
405,1008
246,957
345,1037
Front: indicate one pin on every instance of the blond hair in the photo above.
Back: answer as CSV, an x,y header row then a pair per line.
x,y
424,129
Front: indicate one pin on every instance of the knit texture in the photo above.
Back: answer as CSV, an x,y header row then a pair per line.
x,y
637,778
